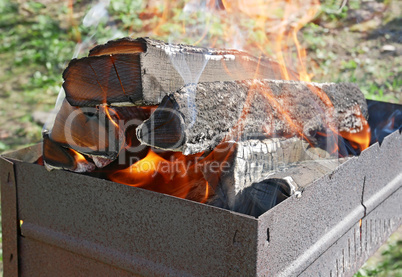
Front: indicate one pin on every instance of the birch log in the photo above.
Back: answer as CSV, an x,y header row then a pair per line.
x,y
197,117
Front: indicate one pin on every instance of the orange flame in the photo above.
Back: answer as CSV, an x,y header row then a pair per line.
x,y
275,24
206,193
141,172
280,37
361,139
79,158
107,112
267,26
176,174
81,162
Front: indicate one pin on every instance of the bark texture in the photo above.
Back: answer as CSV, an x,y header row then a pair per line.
x,y
267,191
199,116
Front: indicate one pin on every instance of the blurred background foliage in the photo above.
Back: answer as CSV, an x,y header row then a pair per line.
x,y
360,43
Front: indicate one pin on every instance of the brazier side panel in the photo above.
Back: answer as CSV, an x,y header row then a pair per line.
x,y
140,231
383,170
42,259
9,218
304,228
350,252
301,229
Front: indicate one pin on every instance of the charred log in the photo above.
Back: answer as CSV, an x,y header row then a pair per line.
x,y
56,156
268,191
142,71
98,132
262,196
198,116
88,130
254,160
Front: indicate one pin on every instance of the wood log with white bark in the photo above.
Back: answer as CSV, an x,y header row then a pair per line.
x,y
271,188
252,161
199,116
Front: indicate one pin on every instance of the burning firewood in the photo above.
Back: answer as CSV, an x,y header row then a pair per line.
x,y
198,116
88,130
223,108
142,71
56,156
99,133
254,160
222,173
264,194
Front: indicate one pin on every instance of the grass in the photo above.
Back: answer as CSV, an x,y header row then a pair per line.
x,y
37,44
34,51
38,38
389,264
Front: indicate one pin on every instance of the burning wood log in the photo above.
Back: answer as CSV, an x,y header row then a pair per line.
x,y
97,132
274,185
198,116
264,194
92,131
56,156
142,71
254,160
